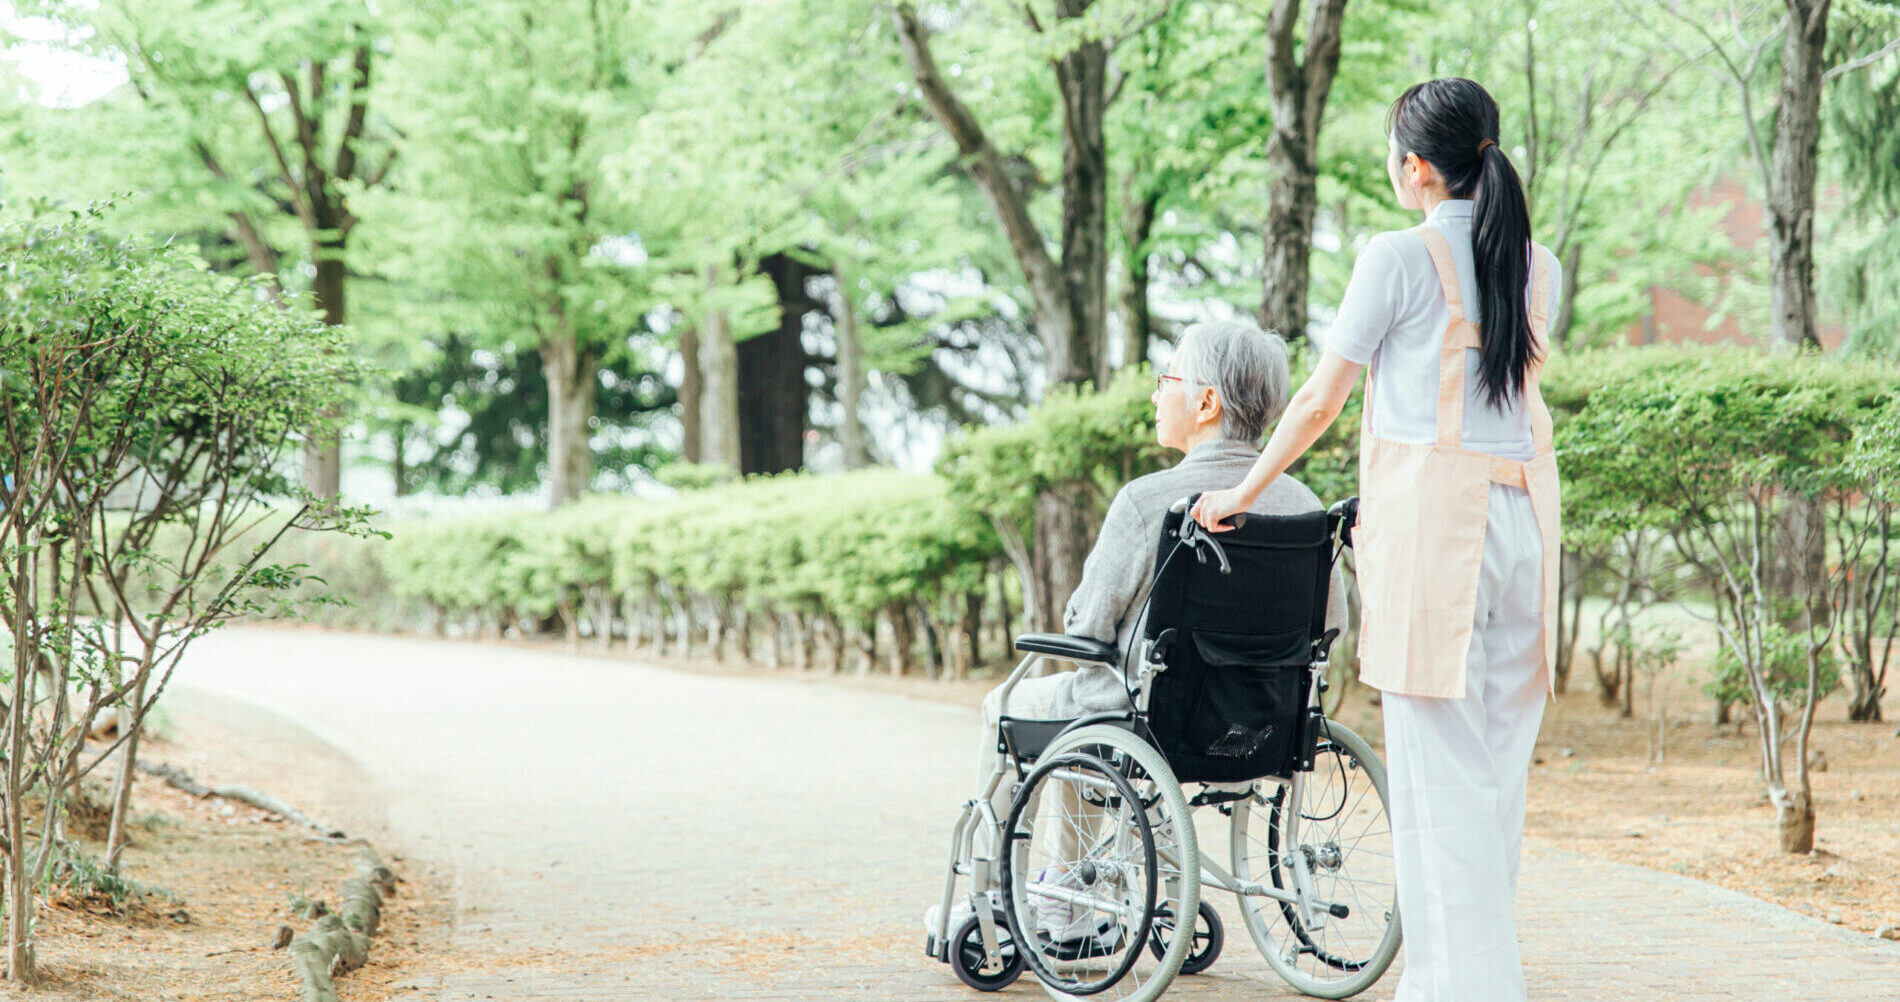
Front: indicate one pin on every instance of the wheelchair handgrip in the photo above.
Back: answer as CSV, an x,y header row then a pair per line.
x,y
1345,515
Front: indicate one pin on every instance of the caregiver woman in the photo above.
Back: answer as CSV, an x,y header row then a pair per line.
x,y
1457,536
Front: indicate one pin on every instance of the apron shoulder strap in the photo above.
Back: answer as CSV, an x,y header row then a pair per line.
x,y
1542,430
1460,334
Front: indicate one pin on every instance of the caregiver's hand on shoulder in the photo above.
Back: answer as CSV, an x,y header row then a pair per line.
x,y
1214,506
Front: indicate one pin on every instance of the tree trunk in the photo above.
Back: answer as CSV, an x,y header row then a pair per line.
x,y
863,642
1006,636
19,897
741,628
903,640
398,469
683,626
773,395
972,631
857,453
691,383
1291,199
1567,308
572,381
1864,706
1570,586
323,454
719,389
1064,533
718,622
802,641
1796,822
1299,89
934,654
832,633
1138,217
1797,133
132,724
1081,78
1627,684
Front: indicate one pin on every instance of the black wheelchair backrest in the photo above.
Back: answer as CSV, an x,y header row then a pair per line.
x,y
1238,636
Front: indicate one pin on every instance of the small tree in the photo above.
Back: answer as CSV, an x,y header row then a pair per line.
x,y
1712,453
1864,521
146,412
1653,654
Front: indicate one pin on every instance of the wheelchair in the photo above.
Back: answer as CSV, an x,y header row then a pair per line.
x,y
1094,880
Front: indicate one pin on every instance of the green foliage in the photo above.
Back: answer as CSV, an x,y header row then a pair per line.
x,y
845,545
1075,440
1783,660
1682,438
89,883
148,408
691,476
305,907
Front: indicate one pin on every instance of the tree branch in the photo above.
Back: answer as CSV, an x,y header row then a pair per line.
x,y
985,163
299,197
1143,25
1322,64
359,113
1863,62
262,256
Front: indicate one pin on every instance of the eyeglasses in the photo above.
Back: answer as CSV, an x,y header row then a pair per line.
x,y
1161,379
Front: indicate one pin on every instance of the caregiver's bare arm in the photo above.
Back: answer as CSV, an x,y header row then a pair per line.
x,y
1311,411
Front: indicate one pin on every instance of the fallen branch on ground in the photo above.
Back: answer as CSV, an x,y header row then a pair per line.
x,y
180,779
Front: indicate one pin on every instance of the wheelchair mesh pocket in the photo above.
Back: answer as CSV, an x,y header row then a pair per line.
x,y
1230,704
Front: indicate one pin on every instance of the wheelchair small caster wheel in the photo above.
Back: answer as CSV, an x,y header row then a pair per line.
x,y
1208,938
967,959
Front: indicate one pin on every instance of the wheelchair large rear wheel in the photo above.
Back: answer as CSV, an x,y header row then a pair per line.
x,y
1328,834
1100,841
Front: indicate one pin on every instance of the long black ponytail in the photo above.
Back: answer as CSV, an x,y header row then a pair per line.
x,y
1452,124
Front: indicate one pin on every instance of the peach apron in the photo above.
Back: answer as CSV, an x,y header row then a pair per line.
x,y
1419,542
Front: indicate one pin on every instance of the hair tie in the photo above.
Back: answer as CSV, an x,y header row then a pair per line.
x,y
1488,142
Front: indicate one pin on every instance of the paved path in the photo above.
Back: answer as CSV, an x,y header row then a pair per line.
x,y
619,831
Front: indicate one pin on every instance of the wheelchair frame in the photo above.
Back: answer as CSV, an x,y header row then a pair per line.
x,y
979,817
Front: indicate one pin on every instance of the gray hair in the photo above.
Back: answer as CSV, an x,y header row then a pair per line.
x,y
1245,365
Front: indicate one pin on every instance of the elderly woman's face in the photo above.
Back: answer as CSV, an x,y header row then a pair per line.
x,y
1174,398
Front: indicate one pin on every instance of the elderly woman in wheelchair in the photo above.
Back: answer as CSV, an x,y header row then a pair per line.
x,y
1200,662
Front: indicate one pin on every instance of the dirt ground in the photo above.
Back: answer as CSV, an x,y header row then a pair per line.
x,y
228,874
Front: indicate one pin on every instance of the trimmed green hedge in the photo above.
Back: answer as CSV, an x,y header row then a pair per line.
x,y
805,559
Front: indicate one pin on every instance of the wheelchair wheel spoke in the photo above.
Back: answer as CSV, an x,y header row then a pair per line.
x,y
1103,850
1340,853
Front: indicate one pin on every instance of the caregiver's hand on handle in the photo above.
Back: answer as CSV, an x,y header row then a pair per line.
x,y
1308,415
1214,507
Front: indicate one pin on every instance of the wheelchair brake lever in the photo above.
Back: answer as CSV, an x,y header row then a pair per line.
x,y
1193,535
1221,554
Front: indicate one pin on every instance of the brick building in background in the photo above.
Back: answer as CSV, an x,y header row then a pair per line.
x,y
1674,318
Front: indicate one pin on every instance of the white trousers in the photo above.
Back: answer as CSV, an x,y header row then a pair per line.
x,y
1456,771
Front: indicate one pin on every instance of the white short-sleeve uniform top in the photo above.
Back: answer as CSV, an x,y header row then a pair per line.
x,y
1393,319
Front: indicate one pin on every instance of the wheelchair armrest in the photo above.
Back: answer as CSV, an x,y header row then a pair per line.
x,y
1078,649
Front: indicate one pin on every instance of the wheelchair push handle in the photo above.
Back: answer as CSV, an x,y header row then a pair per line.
x,y
1194,537
1344,515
